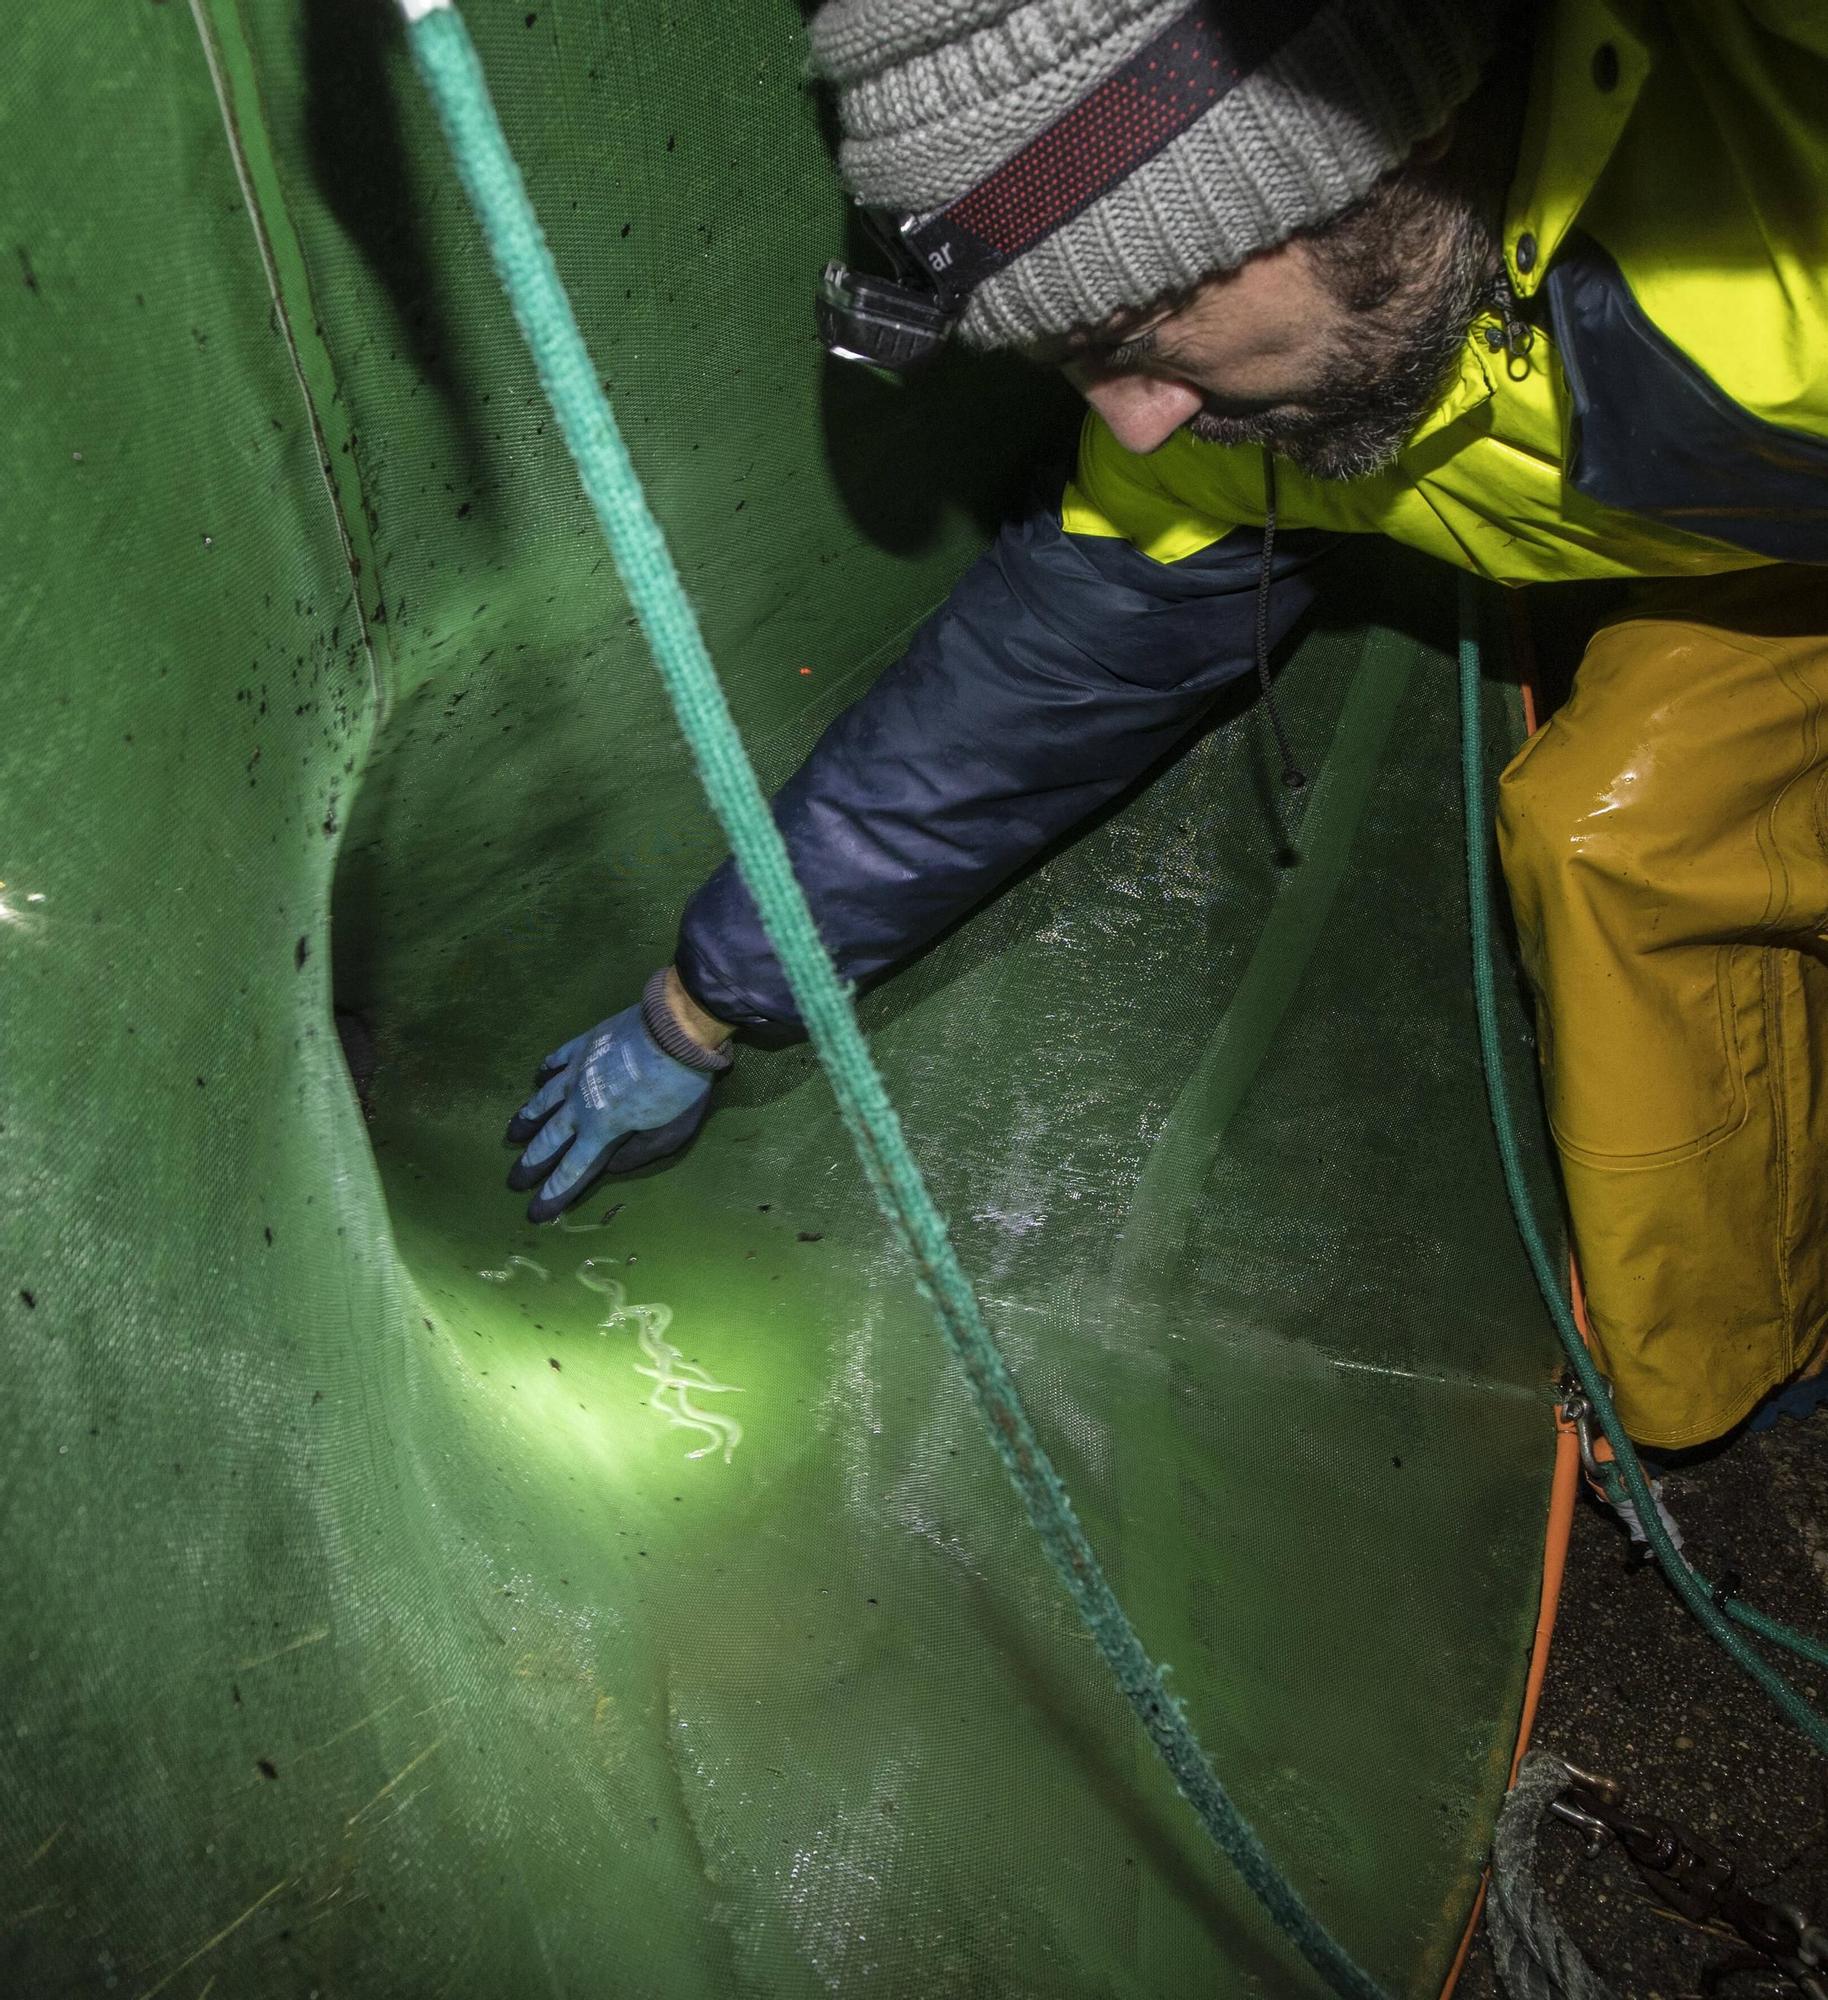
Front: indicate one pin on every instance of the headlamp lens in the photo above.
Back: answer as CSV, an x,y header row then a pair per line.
x,y
881,322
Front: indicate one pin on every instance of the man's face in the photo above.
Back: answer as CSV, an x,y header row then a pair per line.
x,y
1328,349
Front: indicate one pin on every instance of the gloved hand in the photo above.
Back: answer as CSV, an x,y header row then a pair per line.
x,y
611,1101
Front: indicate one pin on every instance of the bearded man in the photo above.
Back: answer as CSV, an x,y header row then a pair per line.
x,y
1542,292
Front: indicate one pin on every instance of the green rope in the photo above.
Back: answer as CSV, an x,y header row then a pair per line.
x,y
1625,1477
1800,1643
447,61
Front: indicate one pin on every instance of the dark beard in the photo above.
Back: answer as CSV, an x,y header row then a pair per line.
x,y
1410,266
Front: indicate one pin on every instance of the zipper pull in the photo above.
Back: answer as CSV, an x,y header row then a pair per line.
x,y
1513,333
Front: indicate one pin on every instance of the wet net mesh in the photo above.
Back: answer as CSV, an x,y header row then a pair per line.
x,y
368,1627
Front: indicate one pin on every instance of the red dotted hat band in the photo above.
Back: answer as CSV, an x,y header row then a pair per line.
x,y
1169,84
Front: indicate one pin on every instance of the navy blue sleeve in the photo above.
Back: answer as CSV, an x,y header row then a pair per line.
x,y
1059,669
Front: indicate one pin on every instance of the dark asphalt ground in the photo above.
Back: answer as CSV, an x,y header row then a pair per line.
x,y
1638,1691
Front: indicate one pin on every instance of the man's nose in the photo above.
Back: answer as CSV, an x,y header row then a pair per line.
x,y
1143,411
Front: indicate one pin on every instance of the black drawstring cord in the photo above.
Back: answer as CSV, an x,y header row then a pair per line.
x,y
1293,776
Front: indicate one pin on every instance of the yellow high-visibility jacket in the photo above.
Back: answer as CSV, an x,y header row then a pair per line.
x,y
1668,232
1667,235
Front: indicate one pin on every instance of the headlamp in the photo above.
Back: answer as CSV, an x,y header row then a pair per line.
x,y
895,323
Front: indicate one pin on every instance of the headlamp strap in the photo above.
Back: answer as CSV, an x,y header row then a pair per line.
x,y
1166,86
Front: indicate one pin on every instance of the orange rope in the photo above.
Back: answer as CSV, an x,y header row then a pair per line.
x,y
1564,1484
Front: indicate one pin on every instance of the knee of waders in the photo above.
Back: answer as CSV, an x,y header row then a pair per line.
x,y
1579,817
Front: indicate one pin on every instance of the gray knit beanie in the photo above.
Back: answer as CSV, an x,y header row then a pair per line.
x,y
1297,107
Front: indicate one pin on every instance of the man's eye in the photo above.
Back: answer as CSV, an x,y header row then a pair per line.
x,y
1128,353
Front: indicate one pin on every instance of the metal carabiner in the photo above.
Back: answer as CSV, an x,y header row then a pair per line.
x,y
1579,1412
1608,1790
1595,1830
1607,1794
1698,1881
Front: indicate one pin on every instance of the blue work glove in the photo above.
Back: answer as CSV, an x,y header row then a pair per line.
x,y
611,1101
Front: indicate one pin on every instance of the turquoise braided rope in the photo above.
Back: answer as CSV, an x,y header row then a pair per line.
x,y
1626,1476
448,63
